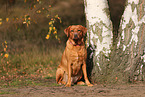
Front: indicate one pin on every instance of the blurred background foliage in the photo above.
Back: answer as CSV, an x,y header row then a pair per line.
x,y
15,32
25,28
12,13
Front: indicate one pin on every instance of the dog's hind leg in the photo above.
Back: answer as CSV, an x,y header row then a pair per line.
x,y
59,76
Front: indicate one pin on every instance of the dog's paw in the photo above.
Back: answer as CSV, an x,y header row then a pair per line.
x,y
68,85
90,85
80,83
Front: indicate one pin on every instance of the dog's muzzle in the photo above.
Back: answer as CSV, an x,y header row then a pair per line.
x,y
75,35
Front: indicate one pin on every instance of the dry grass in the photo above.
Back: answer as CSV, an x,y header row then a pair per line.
x,y
32,57
32,65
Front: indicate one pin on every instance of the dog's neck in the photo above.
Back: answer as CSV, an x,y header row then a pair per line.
x,y
75,47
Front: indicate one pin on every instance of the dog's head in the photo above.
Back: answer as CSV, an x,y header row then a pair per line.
x,y
75,32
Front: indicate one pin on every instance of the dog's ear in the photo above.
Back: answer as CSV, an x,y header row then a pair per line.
x,y
67,31
84,29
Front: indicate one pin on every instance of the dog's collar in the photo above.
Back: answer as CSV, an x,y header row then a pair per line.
x,y
74,44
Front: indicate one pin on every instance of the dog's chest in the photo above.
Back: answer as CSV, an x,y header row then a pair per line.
x,y
78,55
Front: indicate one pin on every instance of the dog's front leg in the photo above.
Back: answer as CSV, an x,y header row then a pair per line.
x,y
85,75
69,75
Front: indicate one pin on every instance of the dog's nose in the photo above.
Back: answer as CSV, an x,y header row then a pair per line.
x,y
75,35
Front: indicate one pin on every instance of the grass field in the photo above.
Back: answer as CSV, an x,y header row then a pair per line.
x,y
29,66
26,56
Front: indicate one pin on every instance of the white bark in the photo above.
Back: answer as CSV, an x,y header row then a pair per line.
x,y
127,61
99,35
132,36
131,14
96,15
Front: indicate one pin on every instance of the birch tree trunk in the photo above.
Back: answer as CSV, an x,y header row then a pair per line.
x,y
126,60
131,45
99,36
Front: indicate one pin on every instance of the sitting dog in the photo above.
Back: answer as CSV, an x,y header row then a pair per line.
x,y
73,62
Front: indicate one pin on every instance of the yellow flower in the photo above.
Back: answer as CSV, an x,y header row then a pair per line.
x,y
24,22
6,55
55,32
29,18
56,37
28,22
0,22
47,37
34,6
7,19
25,15
50,29
48,15
53,28
5,49
38,11
50,22
5,42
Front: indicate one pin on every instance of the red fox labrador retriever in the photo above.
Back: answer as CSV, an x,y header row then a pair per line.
x,y
73,62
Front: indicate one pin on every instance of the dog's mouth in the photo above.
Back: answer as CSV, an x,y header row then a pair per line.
x,y
75,40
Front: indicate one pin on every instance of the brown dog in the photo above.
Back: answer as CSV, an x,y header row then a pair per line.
x,y
73,62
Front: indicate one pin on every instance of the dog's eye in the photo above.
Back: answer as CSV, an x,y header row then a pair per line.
x,y
72,30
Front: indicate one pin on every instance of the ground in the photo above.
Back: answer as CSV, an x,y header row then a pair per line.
x,y
125,90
